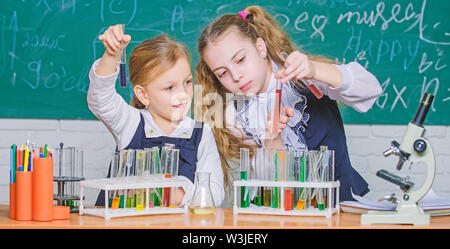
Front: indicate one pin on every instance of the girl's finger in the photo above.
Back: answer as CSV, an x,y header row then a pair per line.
x,y
117,32
292,67
289,111
112,41
108,48
126,39
290,76
304,73
283,119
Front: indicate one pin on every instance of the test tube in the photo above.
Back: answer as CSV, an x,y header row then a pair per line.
x,y
165,158
167,174
165,162
327,175
130,167
156,171
140,169
151,169
267,177
316,198
277,106
304,171
244,165
123,62
259,175
114,199
305,82
277,176
122,172
174,159
320,191
288,176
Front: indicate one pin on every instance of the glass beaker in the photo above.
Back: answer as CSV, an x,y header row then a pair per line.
x,y
202,201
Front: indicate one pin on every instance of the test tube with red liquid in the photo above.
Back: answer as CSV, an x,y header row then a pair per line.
x,y
123,61
305,82
166,165
276,113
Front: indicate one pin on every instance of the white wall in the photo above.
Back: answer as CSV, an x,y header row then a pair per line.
x,y
366,144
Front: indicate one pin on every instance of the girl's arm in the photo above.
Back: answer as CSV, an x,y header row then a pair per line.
x,y
108,106
104,102
349,83
358,88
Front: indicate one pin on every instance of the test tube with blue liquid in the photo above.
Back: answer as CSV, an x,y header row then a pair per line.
x,y
123,62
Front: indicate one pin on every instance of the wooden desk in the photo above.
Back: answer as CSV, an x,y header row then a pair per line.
x,y
222,219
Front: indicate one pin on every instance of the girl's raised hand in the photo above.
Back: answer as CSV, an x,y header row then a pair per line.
x,y
114,40
296,66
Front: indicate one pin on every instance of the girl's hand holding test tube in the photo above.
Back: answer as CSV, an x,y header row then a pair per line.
x,y
299,68
114,41
296,66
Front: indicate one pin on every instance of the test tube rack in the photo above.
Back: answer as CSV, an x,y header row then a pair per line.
x,y
67,172
333,187
132,182
61,197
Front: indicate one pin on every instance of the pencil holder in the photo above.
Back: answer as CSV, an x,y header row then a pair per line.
x,y
23,195
12,200
42,189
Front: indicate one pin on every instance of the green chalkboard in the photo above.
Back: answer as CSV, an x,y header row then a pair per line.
x,y
47,48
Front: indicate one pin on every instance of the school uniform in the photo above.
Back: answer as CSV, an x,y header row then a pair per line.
x,y
135,129
315,122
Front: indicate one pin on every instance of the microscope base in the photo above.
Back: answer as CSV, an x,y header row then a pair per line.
x,y
404,215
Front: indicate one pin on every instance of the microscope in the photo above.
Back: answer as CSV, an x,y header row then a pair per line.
x,y
414,148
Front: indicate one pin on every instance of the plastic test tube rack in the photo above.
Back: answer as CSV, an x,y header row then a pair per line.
x,y
253,209
132,182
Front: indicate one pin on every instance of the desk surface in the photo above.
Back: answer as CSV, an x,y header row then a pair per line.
x,y
222,219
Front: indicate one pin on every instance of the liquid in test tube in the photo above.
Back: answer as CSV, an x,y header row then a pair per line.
x,y
244,157
276,114
123,61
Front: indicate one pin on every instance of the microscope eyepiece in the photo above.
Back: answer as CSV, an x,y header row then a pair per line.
x,y
424,106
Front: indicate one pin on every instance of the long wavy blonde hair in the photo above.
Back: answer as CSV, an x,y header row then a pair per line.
x,y
258,23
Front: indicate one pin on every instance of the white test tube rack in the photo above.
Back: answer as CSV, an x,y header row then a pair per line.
x,y
131,182
311,211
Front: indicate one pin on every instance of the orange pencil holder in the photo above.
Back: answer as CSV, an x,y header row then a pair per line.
x,y
23,195
42,190
12,200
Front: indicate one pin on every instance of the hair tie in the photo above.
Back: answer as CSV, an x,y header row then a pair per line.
x,y
243,14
